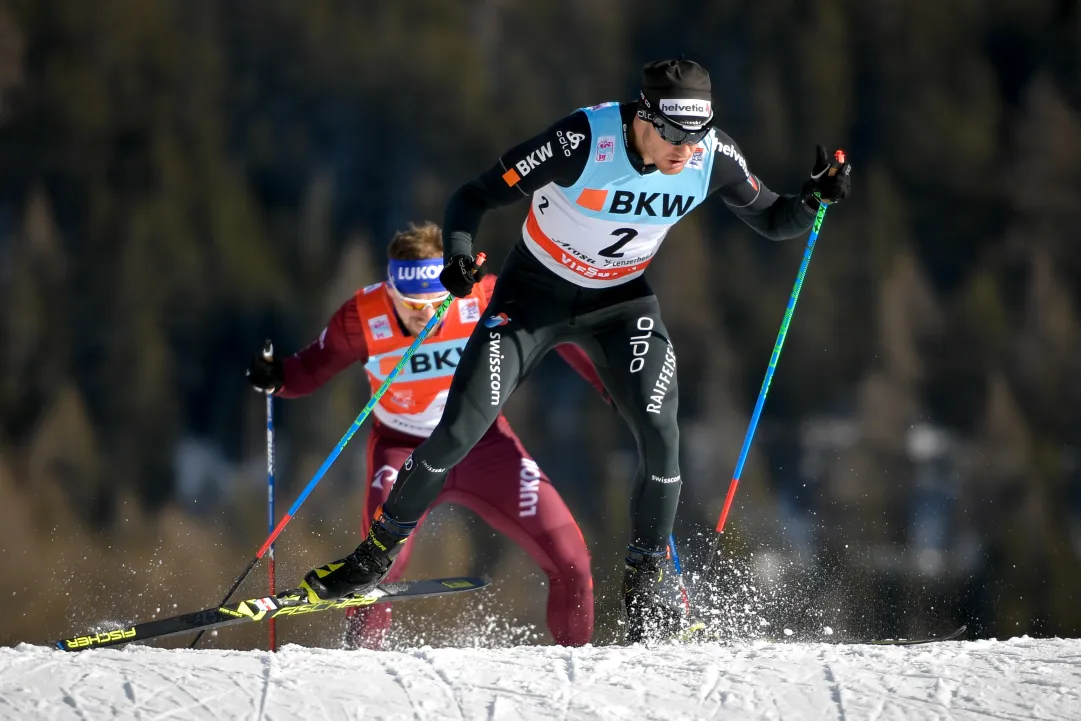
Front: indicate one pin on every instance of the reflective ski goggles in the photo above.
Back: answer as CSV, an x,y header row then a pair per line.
x,y
417,303
676,134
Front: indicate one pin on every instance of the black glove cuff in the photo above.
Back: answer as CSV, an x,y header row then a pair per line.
x,y
808,198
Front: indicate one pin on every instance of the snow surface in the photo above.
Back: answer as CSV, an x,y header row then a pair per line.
x,y
1017,679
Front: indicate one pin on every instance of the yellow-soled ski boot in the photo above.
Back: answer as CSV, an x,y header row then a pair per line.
x,y
363,569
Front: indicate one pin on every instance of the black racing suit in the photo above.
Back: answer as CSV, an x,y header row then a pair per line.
x,y
619,327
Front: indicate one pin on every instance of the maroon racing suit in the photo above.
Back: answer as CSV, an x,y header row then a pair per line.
x,y
498,480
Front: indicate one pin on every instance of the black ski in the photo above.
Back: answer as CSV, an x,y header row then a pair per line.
x,y
953,635
286,603
698,632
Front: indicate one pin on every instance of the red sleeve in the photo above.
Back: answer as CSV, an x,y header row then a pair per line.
x,y
577,359
340,345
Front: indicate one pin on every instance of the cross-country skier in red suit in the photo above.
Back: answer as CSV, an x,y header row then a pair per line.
x,y
498,479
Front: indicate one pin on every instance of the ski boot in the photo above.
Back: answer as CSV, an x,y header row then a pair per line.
x,y
363,569
652,597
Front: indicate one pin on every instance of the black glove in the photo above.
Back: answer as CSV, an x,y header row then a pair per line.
x,y
265,373
460,274
830,180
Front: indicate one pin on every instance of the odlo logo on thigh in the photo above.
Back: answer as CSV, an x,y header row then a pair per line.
x,y
528,488
640,343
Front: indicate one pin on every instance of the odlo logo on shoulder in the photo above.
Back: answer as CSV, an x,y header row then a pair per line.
x,y
572,139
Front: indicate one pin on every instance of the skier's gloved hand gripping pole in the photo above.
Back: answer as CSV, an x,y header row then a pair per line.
x,y
829,183
478,269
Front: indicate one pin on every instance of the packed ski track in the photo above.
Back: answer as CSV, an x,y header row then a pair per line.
x,y
1021,678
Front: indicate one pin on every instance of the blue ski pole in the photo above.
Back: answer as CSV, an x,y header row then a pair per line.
x,y
839,156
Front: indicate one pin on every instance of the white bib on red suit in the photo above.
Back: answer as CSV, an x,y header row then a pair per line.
x,y
414,401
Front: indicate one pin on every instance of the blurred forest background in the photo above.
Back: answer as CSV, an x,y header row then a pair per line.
x,y
181,179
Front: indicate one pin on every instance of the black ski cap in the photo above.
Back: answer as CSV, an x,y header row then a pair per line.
x,y
678,89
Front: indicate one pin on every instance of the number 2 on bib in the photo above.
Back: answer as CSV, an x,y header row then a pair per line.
x,y
612,251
